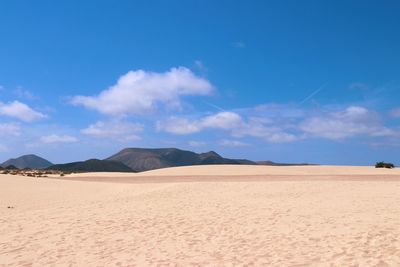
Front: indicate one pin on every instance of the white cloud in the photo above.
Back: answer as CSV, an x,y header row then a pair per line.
x,y
233,143
351,122
10,129
54,138
395,113
124,131
139,91
20,111
178,126
223,120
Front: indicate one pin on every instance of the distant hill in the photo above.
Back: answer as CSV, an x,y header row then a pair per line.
x,y
92,165
143,159
28,161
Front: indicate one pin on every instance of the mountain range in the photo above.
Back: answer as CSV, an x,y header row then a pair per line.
x,y
135,160
143,159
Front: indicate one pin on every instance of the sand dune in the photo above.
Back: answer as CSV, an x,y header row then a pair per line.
x,y
244,173
240,170
254,223
270,170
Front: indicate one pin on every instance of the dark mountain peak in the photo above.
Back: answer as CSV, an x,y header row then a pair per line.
x,y
28,161
143,159
31,156
213,157
210,154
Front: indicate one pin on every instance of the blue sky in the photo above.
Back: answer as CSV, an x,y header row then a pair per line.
x,y
288,81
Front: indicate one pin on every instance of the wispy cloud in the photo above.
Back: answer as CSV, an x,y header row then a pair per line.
x,y
24,93
54,138
272,133
200,65
395,113
233,143
239,44
3,148
20,111
197,143
281,124
228,121
118,130
353,121
10,129
359,86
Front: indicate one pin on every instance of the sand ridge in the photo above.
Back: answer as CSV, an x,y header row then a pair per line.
x,y
252,170
245,173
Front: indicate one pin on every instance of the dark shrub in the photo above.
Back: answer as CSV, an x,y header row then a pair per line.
x,y
384,165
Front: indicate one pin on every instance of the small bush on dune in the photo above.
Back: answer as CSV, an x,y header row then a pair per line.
x,y
384,165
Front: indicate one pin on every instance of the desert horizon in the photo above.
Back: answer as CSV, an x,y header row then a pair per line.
x,y
199,133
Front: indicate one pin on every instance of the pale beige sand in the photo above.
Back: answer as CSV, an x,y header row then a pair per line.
x,y
244,173
240,170
247,223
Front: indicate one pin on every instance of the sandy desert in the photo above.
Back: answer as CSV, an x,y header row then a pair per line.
x,y
204,216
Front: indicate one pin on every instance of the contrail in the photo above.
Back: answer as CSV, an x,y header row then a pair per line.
x,y
313,94
214,106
